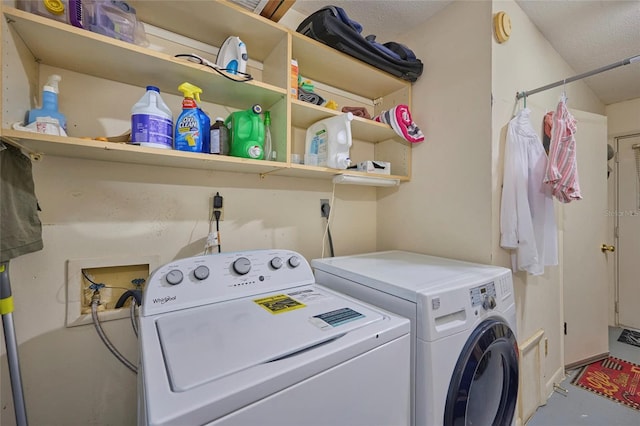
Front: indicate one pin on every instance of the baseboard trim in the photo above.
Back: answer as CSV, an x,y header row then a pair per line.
x,y
584,362
556,378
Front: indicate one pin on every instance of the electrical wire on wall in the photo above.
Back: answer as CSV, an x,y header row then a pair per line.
x,y
213,239
636,152
327,231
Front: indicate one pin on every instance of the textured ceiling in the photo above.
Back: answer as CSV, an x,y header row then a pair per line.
x,y
588,34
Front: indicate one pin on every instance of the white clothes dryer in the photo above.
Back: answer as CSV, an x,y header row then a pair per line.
x,y
248,338
464,353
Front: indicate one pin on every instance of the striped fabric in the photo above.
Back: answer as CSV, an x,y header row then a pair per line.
x,y
562,168
399,118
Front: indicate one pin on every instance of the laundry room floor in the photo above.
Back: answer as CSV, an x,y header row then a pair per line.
x,y
580,407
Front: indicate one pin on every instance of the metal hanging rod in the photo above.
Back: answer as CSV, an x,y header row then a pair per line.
x,y
627,61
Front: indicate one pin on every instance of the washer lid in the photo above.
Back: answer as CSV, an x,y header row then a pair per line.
x,y
204,344
405,274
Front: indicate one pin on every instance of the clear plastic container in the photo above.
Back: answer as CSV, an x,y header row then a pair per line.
x,y
54,9
115,19
152,121
328,142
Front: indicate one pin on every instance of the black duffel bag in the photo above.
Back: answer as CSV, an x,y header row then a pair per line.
x,y
331,26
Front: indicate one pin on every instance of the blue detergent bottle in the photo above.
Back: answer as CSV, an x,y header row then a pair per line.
x,y
49,103
192,127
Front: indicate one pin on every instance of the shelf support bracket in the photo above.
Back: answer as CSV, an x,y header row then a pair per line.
x,y
35,156
265,174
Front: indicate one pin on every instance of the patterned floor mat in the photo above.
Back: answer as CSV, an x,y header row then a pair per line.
x,y
613,378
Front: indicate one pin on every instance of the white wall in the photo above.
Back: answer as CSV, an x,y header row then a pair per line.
x,y
623,119
446,208
527,61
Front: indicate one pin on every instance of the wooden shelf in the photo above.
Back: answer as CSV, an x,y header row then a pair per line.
x,y
302,171
211,22
304,114
322,63
64,46
41,145
125,153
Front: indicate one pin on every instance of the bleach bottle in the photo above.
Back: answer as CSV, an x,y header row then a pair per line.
x,y
152,121
192,126
246,130
49,103
328,142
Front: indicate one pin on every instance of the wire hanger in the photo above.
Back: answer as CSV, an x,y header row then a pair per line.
x,y
563,97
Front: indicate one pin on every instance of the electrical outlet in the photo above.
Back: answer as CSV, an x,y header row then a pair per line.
x,y
324,213
212,209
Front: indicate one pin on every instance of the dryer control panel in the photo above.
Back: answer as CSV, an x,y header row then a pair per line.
x,y
202,280
484,295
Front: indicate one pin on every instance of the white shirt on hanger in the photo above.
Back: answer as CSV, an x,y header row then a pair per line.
x,y
527,218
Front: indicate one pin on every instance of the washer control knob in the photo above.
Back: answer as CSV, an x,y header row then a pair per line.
x,y
174,277
489,302
201,272
242,265
276,263
294,261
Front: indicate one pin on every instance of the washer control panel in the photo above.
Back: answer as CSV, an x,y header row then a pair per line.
x,y
484,295
201,280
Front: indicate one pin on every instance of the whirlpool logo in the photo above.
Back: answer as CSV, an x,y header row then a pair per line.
x,y
164,300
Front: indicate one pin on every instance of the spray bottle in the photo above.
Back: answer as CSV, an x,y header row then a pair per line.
x,y
192,127
49,103
269,154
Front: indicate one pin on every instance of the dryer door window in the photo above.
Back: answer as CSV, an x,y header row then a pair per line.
x,y
484,386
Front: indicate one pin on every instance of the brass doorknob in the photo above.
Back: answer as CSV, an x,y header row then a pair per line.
x,y
605,247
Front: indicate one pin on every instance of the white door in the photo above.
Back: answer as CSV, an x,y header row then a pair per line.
x,y
628,231
584,267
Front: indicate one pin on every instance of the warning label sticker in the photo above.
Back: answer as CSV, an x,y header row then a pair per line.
x,y
335,318
309,296
279,303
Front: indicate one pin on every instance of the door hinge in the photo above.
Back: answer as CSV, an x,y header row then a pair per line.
x,y
616,232
565,328
615,306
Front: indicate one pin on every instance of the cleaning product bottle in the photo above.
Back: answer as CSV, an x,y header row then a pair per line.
x,y
246,131
206,126
49,103
152,121
190,127
328,142
219,137
269,154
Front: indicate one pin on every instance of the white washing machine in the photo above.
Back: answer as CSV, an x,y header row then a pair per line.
x,y
464,354
248,338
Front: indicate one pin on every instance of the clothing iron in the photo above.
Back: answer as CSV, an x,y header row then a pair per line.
x,y
232,56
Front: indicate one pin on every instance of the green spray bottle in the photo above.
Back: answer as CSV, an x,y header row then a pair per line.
x,y
192,127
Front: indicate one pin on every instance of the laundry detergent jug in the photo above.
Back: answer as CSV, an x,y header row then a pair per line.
x,y
246,133
328,142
